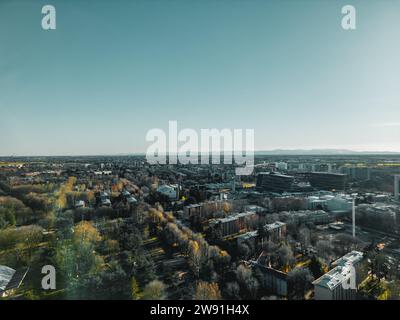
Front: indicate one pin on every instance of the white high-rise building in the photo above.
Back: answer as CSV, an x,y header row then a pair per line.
x,y
397,187
342,281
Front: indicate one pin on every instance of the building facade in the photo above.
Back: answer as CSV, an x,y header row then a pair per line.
x,y
274,182
342,281
397,187
327,180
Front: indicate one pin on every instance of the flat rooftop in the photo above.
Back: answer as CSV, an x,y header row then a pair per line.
x,y
329,173
274,225
235,216
341,272
334,277
276,174
352,257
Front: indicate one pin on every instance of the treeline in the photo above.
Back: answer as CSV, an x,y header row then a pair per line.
x,y
208,264
384,220
26,204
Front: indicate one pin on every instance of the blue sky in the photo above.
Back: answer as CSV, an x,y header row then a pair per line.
x,y
112,70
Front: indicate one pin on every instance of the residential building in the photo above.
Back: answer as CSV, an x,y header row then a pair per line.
x,y
342,281
311,216
171,191
193,210
10,280
276,231
235,223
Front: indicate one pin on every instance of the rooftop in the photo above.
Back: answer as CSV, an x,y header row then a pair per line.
x,y
276,224
329,173
334,277
341,272
6,274
349,258
276,174
10,278
235,216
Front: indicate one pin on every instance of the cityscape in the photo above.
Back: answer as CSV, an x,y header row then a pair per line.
x,y
179,152
115,227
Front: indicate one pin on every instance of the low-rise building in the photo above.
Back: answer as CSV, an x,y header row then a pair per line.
x,y
171,191
193,210
10,280
310,216
235,223
331,203
272,280
79,204
276,231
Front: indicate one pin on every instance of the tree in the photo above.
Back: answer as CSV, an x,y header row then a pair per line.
x,y
316,267
299,281
270,250
221,261
66,188
194,257
244,250
232,290
28,236
345,243
252,287
261,233
304,237
286,257
7,218
214,233
111,283
245,278
207,291
324,249
227,207
154,290
379,266
136,295
84,231
243,274
394,290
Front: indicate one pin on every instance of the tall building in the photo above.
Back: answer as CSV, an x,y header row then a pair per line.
x,y
397,187
274,182
327,180
358,173
342,281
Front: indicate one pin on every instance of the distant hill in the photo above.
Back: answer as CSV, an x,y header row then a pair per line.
x,y
322,152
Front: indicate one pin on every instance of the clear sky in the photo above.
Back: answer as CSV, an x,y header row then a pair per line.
x,y
112,70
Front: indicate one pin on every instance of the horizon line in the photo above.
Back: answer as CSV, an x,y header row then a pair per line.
x,y
221,152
